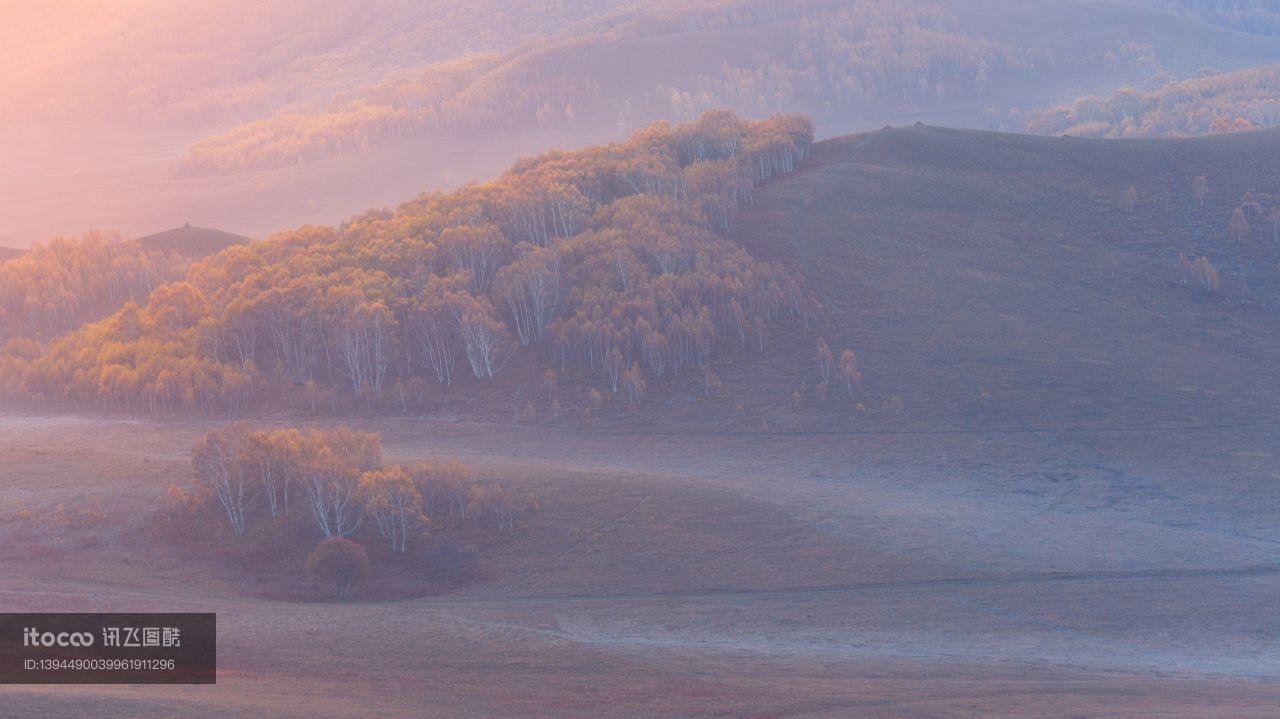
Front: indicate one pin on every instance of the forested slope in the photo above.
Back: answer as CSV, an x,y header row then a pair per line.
x,y
56,286
610,263
1226,102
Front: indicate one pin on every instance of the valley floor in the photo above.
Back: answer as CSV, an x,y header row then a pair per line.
x,y
756,575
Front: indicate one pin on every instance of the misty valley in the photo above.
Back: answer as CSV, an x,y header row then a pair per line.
x,y
634,358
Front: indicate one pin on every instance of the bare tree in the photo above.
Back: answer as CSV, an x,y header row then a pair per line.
x,y
1200,186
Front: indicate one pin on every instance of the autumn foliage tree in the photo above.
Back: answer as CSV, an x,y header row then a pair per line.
x,y
1238,225
849,371
393,501
220,462
340,563
825,361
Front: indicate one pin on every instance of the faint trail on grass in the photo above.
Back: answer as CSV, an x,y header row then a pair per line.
x,y
800,245
1150,575
913,585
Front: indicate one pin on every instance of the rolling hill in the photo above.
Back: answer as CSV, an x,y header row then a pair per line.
x,y
981,279
1001,280
193,243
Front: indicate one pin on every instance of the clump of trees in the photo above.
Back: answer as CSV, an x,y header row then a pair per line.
x,y
830,367
333,483
610,262
1201,272
1226,102
274,494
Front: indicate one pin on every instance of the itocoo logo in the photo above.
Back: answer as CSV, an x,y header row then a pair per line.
x,y
32,637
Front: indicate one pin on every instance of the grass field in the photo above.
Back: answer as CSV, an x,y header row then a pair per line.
x,y
880,575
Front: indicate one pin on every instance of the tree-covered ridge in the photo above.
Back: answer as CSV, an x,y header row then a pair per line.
x,y
59,285
817,56
1224,102
1257,17
164,61
609,261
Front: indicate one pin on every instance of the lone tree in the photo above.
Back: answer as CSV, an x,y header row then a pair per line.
x,y
1252,208
825,360
849,371
1130,199
1200,186
339,561
1238,225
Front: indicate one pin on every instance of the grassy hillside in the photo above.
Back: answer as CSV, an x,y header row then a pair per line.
x,y
193,243
999,280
